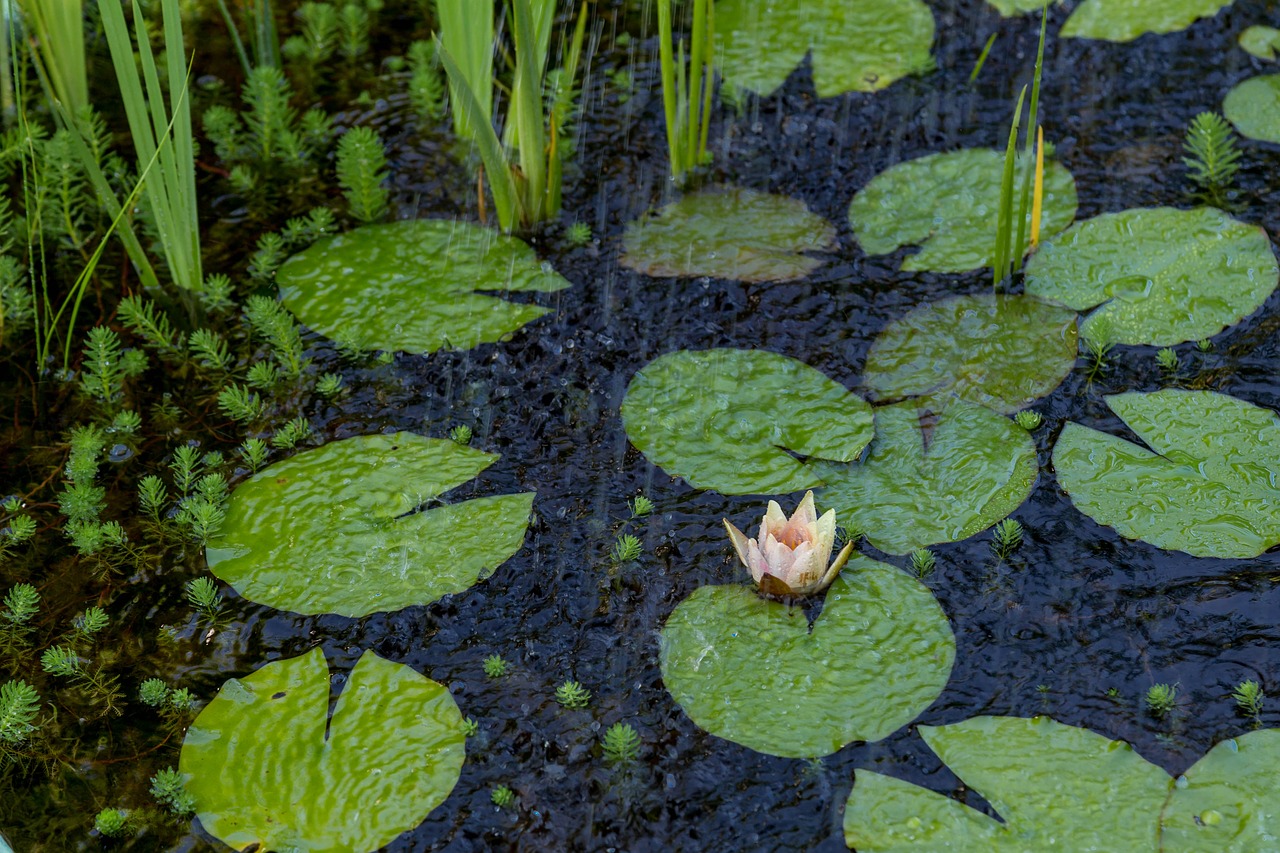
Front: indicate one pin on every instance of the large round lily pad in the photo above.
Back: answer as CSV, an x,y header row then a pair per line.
x,y
1253,106
1227,800
1207,486
735,420
728,233
856,47
1125,20
930,478
1260,41
1000,351
416,285
267,765
334,530
753,671
947,204
1158,275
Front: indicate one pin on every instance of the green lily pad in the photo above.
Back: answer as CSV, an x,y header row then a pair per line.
x,y
1209,488
1002,352
1226,800
1157,275
753,671
857,47
946,204
1125,20
1010,8
971,468
1056,787
728,233
415,285
334,530
265,765
1261,42
734,420
1253,106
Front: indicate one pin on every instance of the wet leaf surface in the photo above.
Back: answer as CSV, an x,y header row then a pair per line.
x,y
753,671
1125,20
1253,106
1226,800
1010,8
1260,41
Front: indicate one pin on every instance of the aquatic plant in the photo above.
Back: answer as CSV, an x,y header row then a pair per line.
x,y
625,549
1006,538
426,87
1249,698
923,562
362,169
470,728
621,744
578,234
686,94
1167,358
573,695
1213,158
203,595
1161,699
461,434
111,822
495,666
502,797
640,506
169,790
329,385
791,555
1028,419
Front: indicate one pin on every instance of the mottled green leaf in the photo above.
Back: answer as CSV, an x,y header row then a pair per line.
x,y
1002,352
728,233
415,285
1125,20
1056,787
1261,42
856,47
947,205
265,766
1227,800
1158,275
931,478
334,530
755,672
1209,488
734,420
1253,106
1009,8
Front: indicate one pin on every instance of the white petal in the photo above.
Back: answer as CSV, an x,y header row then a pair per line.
x,y
774,518
825,536
806,512
739,540
756,561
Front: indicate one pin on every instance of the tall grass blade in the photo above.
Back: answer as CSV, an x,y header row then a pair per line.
x,y
58,26
1037,198
466,32
1033,121
527,105
670,98
982,58
1000,267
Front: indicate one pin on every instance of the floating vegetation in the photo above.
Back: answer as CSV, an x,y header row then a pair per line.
x,y
1253,106
573,695
502,797
1125,20
1161,699
621,744
1006,538
1212,156
923,562
1260,41
495,666
1028,419
1249,698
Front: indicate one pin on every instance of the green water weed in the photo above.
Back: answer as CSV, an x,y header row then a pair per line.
x,y
470,728
1249,698
1028,419
426,86
625,549
1212,156
578,234
1167,359
111,822
362,171
621,744
241,404
502,797
203,595
573,695
1006,538
254,452
922,562
329,385
495,666
292,434
169,790
1161,699
640,506
461,434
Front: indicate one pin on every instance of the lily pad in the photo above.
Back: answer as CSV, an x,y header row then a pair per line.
x,y
1010,8
1253,106
1226,800
753,671
1056,787
335,529
1261,42
857,47
728,233
735,420
415,286
1158,275
1125,20
265,766
1002,352
947,204
1209,488
931,478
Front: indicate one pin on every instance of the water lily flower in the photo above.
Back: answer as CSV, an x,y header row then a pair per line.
x,y
790,556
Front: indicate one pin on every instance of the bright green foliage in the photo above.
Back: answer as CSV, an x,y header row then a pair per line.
x,y
621,744
319,34
185,468
640,506
878,654
495,666
19,529
1006,538
727,232
153,692
168,789
502,797
273,323
426,85
262,375
203,595
1167,358
1125,20
255,452
1161,699
1260,41
19,705
353,30
626,549
240,404
923,562
152,325
1249,698
708,417
127,422
320,530
90,622
461,434
292,434
362,169
268,257
394,737
470,727
110,822
1158,275
1208,469
1213,158
578,234
329,385
182,700
210,351
1028,419
571,694
106,366
686,93
61,660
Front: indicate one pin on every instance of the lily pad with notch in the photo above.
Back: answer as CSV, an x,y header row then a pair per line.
x,y
932,476
1260,41
1156,276
946,204
755,672
337,529
1207,486
1002,352
1125,20
1253,106
415,285
742,421
856,47
731,233
266,763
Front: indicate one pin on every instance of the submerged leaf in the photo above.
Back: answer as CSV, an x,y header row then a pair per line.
x,y
1158,275
947,205
1253,106
333,530
1209,488
415,285
856,47
1125,20
728,233
265,766
972,469
1002,352
753,671
735,420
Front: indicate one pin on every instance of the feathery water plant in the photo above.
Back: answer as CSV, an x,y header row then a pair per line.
x,y
502,797
274,324
621,744
578,234
461,434
19,705
1028,419
1006,538
573,695
1167,358
640,506
362,169
426,87
153,692
1161,699
203,595
318,36
495,666
106,366
1213,158
1249,698
291,434
254,452
170,791
111,822
329,385
922,562
470,728
625,549
686,93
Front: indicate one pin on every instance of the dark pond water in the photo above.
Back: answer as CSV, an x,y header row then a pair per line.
x,y
1075,612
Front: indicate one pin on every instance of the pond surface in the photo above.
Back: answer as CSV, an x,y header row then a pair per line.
x,y
1077,623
